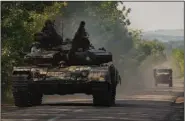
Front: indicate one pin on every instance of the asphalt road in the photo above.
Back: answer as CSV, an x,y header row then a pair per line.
x,y
154,104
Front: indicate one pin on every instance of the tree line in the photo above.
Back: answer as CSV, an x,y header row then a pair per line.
x,y
178,60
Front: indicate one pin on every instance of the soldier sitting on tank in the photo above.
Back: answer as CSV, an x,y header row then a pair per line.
x,y
102,49
50,34
81,40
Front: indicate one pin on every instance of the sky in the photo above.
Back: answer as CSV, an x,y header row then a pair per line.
x,y
156,15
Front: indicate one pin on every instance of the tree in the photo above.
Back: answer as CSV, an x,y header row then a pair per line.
x,y
20,20
178,56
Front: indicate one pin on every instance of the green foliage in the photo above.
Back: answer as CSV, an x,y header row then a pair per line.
x,y
20,20
178,56
144,48
170,45
151,47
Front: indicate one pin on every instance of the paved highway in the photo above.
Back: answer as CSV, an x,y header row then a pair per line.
x,y
155,104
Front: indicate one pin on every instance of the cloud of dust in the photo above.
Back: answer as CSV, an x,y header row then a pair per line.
x,y
137,78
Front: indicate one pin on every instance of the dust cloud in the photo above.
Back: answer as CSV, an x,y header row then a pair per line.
x,y
138,78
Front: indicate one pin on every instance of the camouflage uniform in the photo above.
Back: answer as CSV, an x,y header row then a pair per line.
x,y
40,37
50,37
49,28
81,40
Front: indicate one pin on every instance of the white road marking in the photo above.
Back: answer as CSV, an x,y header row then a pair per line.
x,y
78,110
135,97
61,115
57,117
18,119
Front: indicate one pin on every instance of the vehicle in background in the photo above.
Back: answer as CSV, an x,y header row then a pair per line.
x,y
163,76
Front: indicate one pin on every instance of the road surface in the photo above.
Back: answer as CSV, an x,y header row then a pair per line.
x,y
154,104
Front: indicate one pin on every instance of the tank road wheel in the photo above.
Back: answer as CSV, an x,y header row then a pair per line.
x,y
23,95
170,82
113,95
25,98
170,85
36,98
105,96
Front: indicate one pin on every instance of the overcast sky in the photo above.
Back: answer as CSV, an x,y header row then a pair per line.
x,y
156,15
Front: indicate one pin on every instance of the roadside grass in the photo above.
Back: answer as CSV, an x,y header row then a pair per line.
x,y
7,98
179,100
182,78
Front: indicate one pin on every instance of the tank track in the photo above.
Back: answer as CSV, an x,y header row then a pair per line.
x,y
23,95
104,96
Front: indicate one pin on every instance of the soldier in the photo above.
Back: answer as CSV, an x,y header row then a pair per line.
x,y
48,26
79,41
81,38
50,34
42,39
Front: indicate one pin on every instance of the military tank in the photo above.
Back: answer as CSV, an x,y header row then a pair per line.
x,y
53,71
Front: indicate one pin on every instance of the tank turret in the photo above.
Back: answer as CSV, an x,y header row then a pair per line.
x,y
69,51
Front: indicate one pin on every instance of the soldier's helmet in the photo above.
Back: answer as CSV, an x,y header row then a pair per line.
x,y
82,23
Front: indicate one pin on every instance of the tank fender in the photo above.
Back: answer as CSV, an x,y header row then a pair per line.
x,y
115,77
21,70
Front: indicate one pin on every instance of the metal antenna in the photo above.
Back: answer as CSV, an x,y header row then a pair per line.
x,y
62,29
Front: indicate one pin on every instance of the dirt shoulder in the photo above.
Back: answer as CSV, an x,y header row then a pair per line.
x,y
179,100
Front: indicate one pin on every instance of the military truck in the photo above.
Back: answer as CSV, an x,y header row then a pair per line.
x,y
163,76
53,71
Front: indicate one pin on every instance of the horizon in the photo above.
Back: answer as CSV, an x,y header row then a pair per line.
x,y
152,16
164,30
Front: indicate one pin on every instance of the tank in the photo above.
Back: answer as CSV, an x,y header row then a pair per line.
x,y
163,76
55,71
